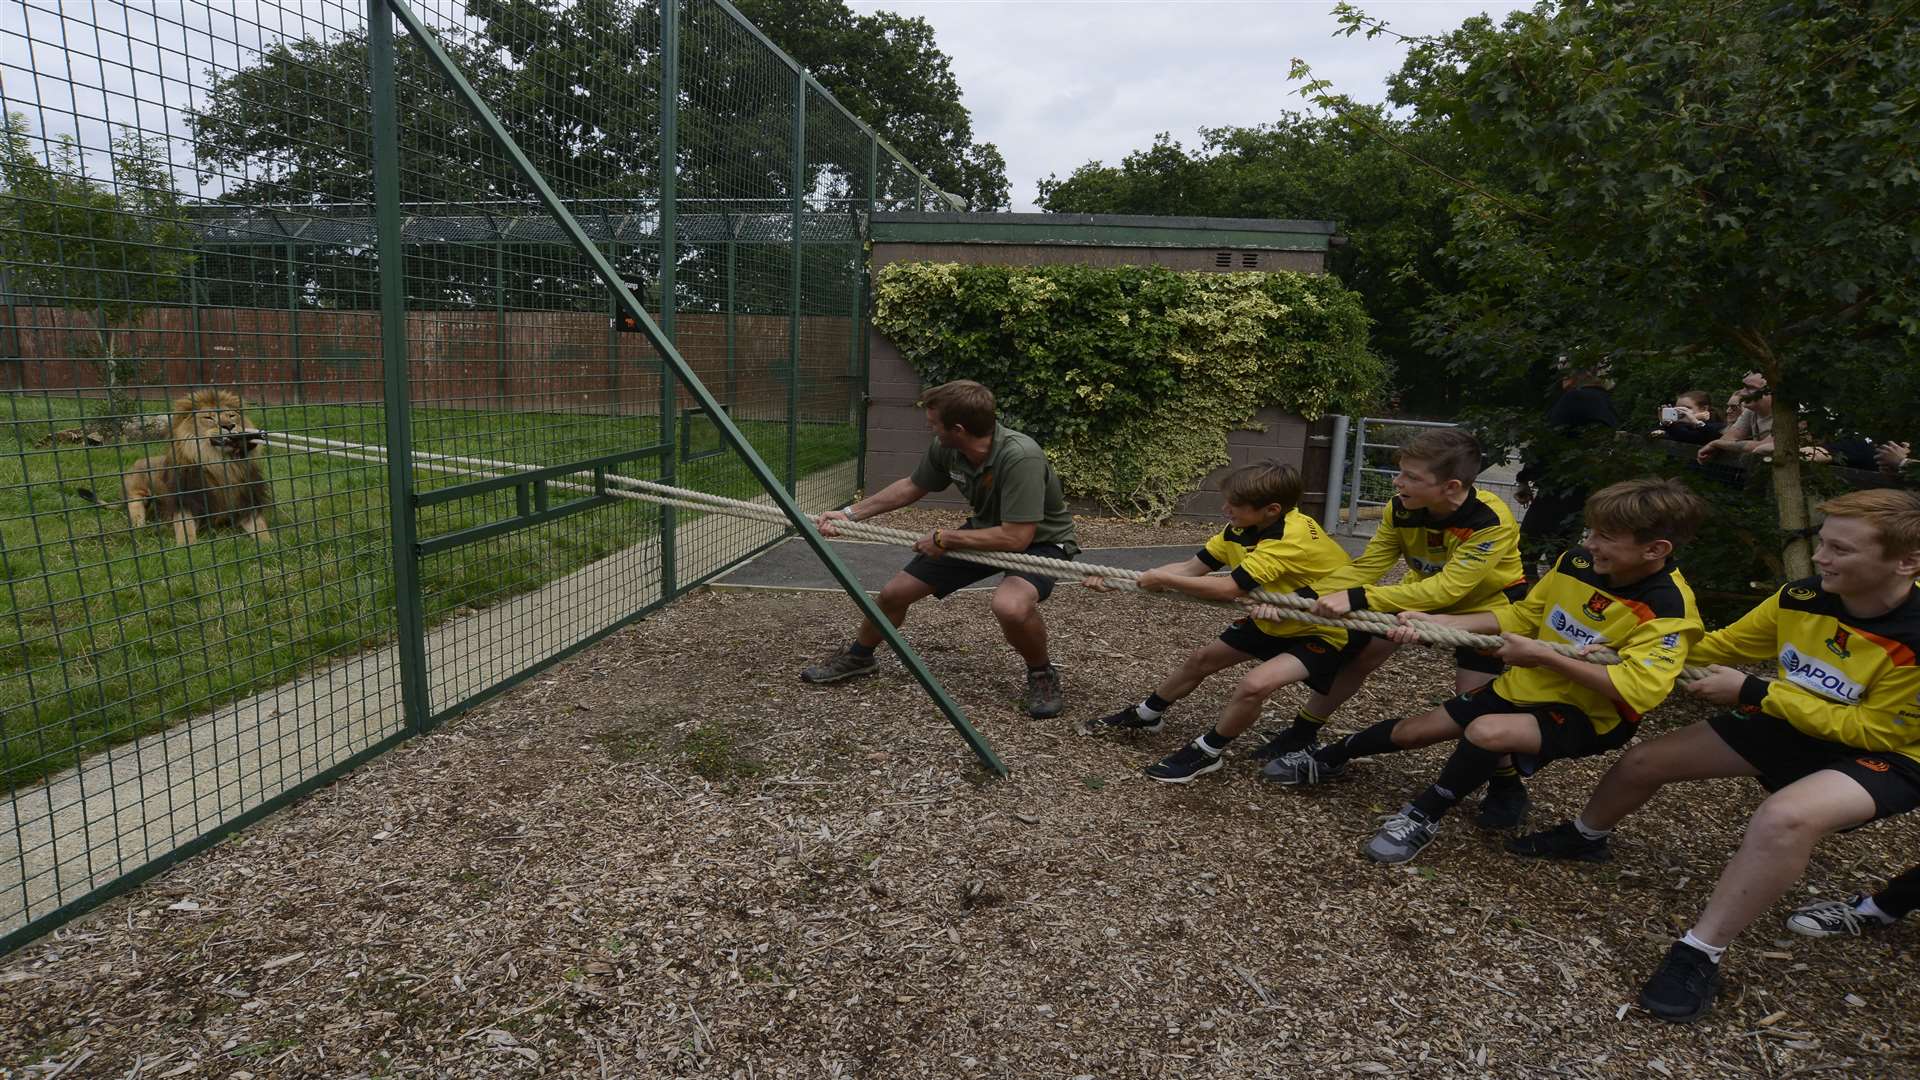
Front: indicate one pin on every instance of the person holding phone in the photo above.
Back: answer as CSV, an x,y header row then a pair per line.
x,y
1689,420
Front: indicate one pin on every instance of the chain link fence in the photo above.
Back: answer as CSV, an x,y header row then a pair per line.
x,y
268,504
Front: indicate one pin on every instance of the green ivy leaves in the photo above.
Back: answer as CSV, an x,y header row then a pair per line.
x,y
1132,377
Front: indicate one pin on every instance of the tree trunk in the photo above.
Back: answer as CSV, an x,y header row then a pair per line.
x,y
1789,496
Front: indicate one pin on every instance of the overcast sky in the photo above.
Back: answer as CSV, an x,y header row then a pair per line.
x,y
1058,83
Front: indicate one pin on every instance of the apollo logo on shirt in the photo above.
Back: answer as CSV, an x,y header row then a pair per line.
x,y
1423,565
1806,672
1572,629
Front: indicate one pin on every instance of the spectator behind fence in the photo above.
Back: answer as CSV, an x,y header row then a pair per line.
x,y
1736,404
1583,409
1752,433
1689,420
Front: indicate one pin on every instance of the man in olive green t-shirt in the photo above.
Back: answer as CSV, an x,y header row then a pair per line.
x,y
1016,505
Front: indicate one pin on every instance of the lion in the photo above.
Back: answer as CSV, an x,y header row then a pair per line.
x,y
209,474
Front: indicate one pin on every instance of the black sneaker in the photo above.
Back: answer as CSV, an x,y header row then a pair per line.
x,y
1185,765
1682,990
1286,742
1563,841
1503,808
1044,696
1127,721
841,665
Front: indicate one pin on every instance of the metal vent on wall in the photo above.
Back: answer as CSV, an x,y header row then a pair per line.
x,y
1223,259
1250,259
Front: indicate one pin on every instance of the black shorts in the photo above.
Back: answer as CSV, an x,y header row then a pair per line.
x,y
1783,754
1321,658
1565,730
948,576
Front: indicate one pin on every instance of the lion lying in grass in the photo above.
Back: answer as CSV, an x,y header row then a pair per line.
x,y
209,474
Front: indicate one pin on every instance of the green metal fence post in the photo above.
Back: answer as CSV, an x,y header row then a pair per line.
x,y
196,294
793,295
735,439
293,326
669,257
503,374
733,388
408,607
863,334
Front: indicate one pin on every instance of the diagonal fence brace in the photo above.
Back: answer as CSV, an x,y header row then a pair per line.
x,y
774,488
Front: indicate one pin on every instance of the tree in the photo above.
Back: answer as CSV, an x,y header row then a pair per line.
x,y
1392,211
888,70
1687,188
110,246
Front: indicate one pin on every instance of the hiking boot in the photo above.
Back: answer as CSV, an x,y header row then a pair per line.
x,y
1185,765
1300,767
1044,696
1281,743
1832,918
1563,841
1127,722
841,665
1402,835
1682,990
1503,808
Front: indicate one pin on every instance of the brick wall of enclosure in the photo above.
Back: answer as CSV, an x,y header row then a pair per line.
x,y
518,361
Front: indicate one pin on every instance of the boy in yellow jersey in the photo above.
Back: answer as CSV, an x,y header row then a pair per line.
x,y
1835,736
1269,545
1462,550
1620,591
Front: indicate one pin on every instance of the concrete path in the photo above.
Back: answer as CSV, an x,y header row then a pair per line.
x,y
137,802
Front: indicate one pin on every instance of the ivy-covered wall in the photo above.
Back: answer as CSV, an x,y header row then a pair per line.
x,y
1132,377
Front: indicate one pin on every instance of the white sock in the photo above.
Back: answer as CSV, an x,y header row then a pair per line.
x,y
1580,826
1714,952
1871,910
1145,713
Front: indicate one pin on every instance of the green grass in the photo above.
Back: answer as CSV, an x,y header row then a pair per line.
x,y
107,634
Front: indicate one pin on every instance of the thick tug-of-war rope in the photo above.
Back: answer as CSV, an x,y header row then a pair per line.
x,y
1263,604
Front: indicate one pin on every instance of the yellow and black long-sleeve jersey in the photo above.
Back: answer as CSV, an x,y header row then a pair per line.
x,y
1279,558
1845,679
1460,562
1652,623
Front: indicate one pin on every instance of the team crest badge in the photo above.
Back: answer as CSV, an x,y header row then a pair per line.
x,y
1580,563
1436,538
1800,592
1596,606
1837,644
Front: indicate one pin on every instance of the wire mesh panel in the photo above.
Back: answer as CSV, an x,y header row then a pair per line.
x,y
400,478
515,360
199,599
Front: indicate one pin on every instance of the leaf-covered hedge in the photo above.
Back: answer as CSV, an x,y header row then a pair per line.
x,y
1132,377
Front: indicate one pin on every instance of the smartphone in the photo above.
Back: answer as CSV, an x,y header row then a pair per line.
x,y
1670,414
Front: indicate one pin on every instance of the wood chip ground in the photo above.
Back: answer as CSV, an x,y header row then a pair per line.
x,y
668,857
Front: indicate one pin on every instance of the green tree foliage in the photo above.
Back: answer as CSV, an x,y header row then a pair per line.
x,y
576,84
1686,190
890,72
1132,376
109,246
1365,170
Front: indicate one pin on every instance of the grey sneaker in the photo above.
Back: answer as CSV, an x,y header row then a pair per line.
x,y
1402,835
841,665
1044,696
1831,918
1302,768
